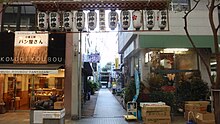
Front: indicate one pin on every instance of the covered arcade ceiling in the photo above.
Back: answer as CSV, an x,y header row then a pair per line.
x,y
64,5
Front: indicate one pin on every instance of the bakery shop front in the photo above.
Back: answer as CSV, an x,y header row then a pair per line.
x,y
31,68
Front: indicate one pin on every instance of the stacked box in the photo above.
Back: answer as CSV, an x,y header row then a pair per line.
x,y
205,118
156,114
195,107
58,105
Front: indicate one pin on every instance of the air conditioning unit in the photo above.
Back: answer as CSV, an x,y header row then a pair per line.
x,y
80,20
125,19
54,20
92,19
67,20
42,19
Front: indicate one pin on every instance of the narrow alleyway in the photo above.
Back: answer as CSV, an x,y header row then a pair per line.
x,y
107,111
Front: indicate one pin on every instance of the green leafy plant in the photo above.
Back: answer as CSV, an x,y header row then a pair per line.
x,y
194,89
155,82
161,96
130,91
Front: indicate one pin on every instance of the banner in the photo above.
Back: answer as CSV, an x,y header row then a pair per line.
x,y
137,84
92,58
30,48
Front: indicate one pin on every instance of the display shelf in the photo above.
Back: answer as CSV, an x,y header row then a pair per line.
x,y
45,93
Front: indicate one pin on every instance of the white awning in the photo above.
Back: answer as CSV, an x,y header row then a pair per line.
x,y
29,69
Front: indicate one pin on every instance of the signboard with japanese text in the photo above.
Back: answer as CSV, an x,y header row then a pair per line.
x,y
92,58
30,48
53,48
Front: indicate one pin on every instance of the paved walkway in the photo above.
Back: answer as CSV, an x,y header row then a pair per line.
x,y
107,111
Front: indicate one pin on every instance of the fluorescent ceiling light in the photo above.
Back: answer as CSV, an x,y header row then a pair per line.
x,y
213,63
176,49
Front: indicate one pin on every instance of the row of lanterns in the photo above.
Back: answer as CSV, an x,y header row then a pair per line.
x,y
54,18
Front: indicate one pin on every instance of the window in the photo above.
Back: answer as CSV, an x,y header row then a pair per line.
x,y
23,18
180,5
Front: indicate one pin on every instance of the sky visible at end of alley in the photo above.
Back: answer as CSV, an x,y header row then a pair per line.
x,y
106,44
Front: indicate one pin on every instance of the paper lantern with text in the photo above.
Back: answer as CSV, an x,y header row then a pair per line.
x,y
112,19
42,18
54,20
68,20
92,19
137,19
80,20
125,19
102,19
150,19
162,19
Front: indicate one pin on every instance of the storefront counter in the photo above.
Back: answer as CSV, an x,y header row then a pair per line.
x,y
44,116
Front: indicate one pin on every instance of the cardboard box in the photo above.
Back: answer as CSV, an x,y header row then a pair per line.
x,y
205,116
150,114
161,120
195,107
58,105
198,103
156,108
205,121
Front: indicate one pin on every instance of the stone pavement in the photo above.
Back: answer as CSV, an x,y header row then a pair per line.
x,y
107,111
102,108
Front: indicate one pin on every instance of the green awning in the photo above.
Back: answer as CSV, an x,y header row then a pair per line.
x,y
175,41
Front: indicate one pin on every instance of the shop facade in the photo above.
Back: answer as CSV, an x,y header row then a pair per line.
x,y
175,60
170,52
32,68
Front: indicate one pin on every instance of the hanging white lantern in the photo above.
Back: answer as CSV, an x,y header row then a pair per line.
x,y
67,20
54,20
92,19
42,18
162,19
112,19
150,19
125,19
137,19
102,19
80,20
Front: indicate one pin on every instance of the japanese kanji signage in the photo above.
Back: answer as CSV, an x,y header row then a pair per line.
x,y
30,48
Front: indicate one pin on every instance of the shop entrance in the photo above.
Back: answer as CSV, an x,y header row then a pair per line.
x,y
22,91
15,91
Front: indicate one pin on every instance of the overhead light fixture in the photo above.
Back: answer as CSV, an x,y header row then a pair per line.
x,y
68,20
112,19
174,50
150,19
125,19
80,20
213,63
137,19
92,19
162,19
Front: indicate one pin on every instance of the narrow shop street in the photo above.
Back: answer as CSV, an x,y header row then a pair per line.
x,y
107,111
